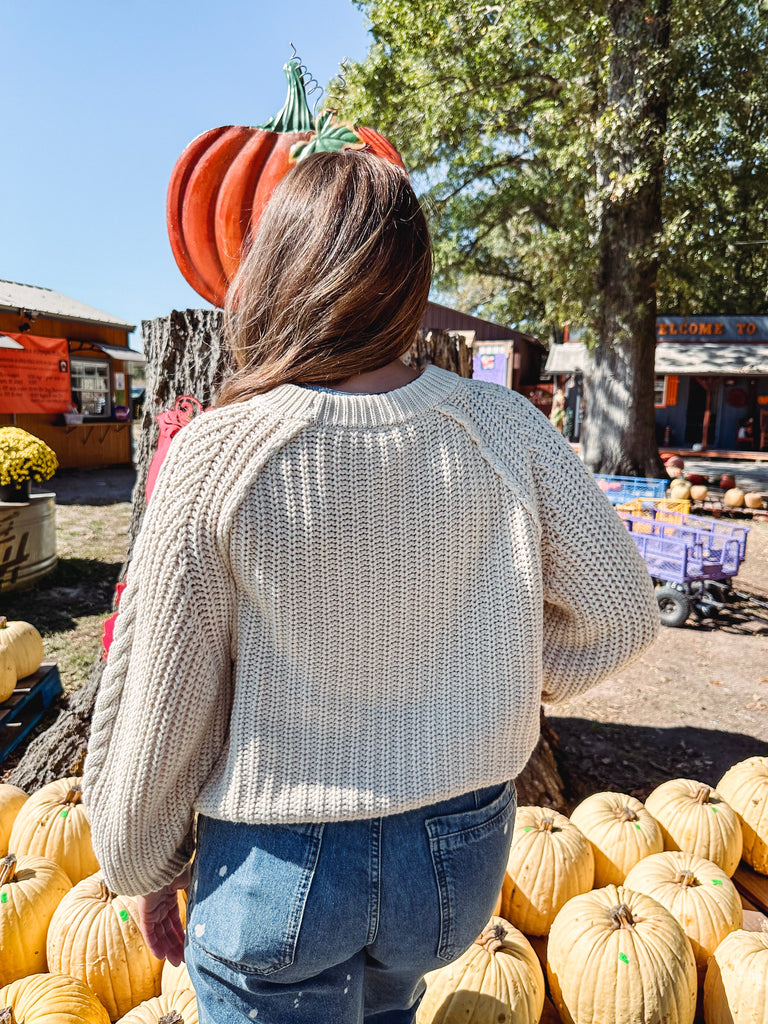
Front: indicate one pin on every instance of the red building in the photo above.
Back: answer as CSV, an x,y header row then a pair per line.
x,y
65,375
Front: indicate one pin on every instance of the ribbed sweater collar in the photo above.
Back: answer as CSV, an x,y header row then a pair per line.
x,y
351,410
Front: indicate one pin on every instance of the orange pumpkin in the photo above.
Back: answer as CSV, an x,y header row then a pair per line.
x,y
223,180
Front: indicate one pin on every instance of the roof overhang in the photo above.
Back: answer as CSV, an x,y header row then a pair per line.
x,y
707,359
127,355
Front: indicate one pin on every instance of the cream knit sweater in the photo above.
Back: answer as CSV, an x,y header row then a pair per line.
x,y
345,606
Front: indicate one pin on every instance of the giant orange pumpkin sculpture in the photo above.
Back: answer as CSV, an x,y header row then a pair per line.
x,y
224,178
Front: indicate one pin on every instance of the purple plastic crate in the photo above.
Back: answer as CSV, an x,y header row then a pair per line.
x,y
717,529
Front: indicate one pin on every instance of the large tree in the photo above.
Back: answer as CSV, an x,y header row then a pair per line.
x,y
585,164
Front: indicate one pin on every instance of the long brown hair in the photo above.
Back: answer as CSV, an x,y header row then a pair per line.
x,y
336,280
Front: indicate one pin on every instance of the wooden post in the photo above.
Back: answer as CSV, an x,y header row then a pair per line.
x,y
707,384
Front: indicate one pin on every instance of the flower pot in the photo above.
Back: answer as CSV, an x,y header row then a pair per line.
x,y
14,493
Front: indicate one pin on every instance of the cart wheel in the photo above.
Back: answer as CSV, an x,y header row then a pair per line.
x,y
674,606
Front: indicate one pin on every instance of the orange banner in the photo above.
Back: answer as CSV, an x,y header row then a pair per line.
x,y
35,377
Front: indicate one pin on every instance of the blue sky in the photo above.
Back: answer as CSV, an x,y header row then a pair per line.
x,y
100,99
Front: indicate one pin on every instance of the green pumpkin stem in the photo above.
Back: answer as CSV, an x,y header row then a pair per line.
x,y
8,868
294,115
329,138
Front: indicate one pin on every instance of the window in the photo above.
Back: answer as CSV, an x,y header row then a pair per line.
x,y
90,387
664,391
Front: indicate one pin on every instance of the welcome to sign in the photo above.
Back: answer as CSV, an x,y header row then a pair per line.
x,y
712,328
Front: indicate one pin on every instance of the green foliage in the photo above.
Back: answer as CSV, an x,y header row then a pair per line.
x,y
506,115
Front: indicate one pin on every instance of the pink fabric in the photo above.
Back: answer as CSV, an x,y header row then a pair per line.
x,y
184,411
171,422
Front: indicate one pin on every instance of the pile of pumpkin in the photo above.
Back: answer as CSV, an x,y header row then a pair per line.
x,y
625,912
628,908
72,951
695,487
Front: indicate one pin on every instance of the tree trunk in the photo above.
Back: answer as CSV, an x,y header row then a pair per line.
x,y
186,356
619,432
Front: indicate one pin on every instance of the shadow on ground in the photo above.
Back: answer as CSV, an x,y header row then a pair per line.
x,y
76,587
91,486
595,756
747,615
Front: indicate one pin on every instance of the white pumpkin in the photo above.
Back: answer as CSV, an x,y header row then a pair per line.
x,y
621,832
697,819
616,956
550,861
498,977
698,894
745,787
736,985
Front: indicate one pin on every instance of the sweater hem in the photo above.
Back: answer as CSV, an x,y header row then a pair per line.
x,y
304,815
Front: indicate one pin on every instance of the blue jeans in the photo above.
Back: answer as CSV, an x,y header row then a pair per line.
x,y
337,923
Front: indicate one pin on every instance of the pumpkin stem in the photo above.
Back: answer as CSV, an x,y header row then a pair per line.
x,y
174,1017
547,824
75,795
294,115
8,868
626,814
330,137
622,916
702,794
3,622
105,893
687,877
492,937
6,1014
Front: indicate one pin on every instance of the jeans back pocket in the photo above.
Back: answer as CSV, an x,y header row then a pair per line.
x,y
469,850
249,890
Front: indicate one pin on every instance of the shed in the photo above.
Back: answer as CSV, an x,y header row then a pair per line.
x,y
65,375
500,353
711,380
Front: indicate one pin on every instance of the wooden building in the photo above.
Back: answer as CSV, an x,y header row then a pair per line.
x,y
84,416
711,381
500,354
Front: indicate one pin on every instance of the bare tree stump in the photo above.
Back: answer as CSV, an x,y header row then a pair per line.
x,y
539,784
448,349
186,355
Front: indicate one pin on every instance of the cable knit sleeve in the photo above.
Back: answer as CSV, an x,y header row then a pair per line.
x,y
600,611
163,705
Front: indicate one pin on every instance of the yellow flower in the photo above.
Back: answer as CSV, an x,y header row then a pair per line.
x,y
24,457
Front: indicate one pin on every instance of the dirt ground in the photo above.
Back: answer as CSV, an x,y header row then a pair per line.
x,y
694,704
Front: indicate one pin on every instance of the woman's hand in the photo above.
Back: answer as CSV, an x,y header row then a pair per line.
x,y
160,922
